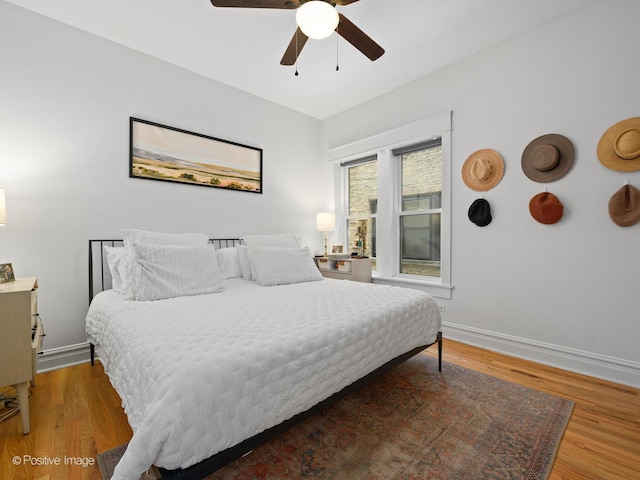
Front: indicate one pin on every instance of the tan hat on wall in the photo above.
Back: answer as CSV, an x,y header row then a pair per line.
x,y
546,208
624,206
548,158
619,146
483,170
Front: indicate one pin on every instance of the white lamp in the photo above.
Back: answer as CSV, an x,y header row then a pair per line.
x,y
317,19
325,222
3,209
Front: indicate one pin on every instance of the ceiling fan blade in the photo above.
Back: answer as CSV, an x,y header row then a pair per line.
x,y
359,39
293,51
344,2
285,4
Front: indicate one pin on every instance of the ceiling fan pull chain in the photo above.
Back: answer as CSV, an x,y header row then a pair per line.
x,y
337,42
296,74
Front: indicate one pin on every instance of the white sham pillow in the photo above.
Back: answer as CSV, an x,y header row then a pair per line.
x,y
146,237
282,240
167,271
117,258
243,259
229,262
281,266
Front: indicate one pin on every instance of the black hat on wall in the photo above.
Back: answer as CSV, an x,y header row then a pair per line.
x,y
480,212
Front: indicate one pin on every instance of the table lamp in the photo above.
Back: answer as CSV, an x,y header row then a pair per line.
x,y
326,222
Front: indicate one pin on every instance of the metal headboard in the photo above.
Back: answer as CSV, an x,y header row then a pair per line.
x,y
99,274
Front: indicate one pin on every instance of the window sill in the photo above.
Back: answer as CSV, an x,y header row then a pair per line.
x,y
435,289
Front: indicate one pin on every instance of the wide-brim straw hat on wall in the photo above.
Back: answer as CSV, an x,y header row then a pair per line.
x,y
483,170
619,146
548,158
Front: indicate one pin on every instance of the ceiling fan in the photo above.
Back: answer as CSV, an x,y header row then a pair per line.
x,y
345,28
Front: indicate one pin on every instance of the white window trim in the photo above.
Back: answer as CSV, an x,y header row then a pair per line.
x,y
382,144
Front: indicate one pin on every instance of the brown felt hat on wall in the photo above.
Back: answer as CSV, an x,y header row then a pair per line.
x,y
483,170
546,208
619,146
624,206
548,158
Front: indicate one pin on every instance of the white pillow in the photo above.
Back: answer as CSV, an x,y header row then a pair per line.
x,y
243,259
284,240
117,257
145,237
281,266
163,271
229,262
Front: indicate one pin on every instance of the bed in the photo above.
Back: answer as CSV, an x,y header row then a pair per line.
x,y
206,377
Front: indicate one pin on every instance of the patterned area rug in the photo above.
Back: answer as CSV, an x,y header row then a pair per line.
x,y
414,423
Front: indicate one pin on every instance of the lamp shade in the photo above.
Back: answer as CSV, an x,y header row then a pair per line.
x,y
3,208
325,221
317,19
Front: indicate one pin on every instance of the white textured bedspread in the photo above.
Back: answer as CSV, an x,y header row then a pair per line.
x,y
199,374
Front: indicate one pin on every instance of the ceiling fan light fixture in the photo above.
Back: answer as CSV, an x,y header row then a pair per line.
x,y
317,19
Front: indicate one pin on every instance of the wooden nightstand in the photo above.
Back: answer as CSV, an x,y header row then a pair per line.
x,y
21,339
355,269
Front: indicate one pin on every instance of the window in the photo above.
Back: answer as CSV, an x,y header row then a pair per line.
x,y
419,211
417,214
396,202
362,201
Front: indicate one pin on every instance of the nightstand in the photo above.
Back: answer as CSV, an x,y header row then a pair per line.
x,y
21,339
354,269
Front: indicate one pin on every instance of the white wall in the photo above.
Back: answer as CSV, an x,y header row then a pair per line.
x,y
65,100
566,294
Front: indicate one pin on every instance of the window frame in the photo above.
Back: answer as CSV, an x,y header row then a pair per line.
x,y
382,145
398,211
347,217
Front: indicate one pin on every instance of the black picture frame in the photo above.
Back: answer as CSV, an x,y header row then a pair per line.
x,y
161,152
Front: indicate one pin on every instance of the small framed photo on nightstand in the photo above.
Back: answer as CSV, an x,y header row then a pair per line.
x,y
6,273
336,248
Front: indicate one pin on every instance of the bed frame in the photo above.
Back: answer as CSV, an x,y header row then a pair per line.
x,y
100,279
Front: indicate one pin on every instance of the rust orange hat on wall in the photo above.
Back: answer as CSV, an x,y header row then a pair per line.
x,y
619,146
546,208
483,170
548,158
624,206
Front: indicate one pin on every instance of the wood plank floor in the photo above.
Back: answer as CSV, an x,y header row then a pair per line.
x,y
75,414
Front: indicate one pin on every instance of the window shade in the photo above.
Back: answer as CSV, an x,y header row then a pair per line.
x,y
436,142
358,161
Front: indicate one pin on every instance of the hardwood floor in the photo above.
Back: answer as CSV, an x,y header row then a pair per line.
x,y
75,414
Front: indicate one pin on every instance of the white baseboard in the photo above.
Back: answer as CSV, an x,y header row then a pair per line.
x,y
595,365
55,358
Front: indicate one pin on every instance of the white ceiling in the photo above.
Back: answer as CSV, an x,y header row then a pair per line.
x,y
243,47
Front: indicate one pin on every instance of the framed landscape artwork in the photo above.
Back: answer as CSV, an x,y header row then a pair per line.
x,y
159,152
